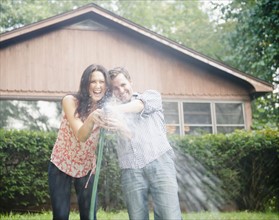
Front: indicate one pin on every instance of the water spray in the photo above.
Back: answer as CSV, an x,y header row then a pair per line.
x,y
97,172
107,110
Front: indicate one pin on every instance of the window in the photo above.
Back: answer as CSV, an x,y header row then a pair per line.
x,y
171,117
31,115
184,117
197,118
229,116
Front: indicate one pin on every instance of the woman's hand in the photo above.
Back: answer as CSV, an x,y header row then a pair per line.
x,y
98,117
114,122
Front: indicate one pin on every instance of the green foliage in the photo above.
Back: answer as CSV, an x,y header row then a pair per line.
x,y
24,159
18,13
26,115
123,215
109,189
251,39
266,111
23,171
246,162
182,21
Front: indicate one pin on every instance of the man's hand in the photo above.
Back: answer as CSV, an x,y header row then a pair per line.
x,y
113,121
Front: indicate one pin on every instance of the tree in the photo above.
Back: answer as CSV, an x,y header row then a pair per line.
x,y
18,13
182,21
252,47
27,115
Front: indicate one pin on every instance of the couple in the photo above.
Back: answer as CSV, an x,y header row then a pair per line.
x,y
145,155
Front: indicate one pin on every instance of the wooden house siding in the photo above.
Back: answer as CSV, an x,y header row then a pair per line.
x,y
45,60
53,63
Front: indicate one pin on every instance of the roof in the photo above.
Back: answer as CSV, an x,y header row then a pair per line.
x,y
52,23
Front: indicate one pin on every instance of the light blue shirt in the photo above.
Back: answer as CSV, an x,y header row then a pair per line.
x,y
149,140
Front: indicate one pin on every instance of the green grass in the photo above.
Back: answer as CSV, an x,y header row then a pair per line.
x,y
122,215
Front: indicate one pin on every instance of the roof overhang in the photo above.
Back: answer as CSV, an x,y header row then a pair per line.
x,y
260,87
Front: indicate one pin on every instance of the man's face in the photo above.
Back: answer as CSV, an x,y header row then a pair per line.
x,y
122,88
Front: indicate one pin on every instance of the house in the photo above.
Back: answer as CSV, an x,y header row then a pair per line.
x,y
45,60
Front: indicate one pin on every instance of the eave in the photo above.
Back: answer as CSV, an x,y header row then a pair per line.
x,y
260,87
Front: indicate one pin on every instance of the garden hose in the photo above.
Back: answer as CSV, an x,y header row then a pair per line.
x,y
97,172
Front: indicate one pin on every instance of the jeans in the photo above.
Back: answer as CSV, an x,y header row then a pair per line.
x,y
157,178
60,193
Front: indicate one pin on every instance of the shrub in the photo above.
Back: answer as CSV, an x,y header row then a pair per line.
x,y
24,159
246,162
23,170
109,187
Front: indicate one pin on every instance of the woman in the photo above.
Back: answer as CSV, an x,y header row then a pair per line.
x,y
73,156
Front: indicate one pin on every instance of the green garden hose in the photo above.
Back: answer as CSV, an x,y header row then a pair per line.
x,y
97,173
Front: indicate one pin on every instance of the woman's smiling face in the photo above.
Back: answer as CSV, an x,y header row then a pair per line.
x,y
97,86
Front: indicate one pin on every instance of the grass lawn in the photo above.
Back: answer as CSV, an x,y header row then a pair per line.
x,y
102,215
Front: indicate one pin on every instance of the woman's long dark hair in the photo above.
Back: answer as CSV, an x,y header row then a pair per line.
x,y
85,105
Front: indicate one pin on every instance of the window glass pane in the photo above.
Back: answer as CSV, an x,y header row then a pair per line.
x,y
172,129
197,113
228,129
229,113
31,115
171,112
197,130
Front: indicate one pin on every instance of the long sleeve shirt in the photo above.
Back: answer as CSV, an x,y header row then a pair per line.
x,y
149,140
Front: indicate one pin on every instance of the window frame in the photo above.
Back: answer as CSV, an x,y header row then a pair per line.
x,y
179,114
212,104
230,125
201,124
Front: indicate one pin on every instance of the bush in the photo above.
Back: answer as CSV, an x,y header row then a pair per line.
x,y
246,162
24,159
109,187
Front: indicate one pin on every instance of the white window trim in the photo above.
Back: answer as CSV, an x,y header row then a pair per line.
x,y
212,103
229,125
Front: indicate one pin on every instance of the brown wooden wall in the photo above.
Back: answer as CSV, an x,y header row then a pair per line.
x,y
53,63
48,66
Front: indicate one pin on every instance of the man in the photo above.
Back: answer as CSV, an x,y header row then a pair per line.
x,y
146,157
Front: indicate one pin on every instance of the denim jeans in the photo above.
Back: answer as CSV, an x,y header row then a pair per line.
x,y
157,178
60,185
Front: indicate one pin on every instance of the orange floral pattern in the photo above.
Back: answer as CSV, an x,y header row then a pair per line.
x,y
71,156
